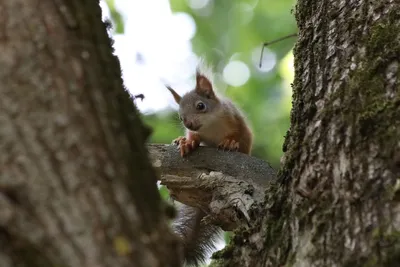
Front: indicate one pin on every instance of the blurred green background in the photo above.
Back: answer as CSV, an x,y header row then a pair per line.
x,y
235,30
228,30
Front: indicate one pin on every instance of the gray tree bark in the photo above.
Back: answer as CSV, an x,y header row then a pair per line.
x,y
337,200
76,185
228,186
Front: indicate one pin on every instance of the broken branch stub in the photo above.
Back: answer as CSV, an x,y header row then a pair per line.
x,y
228,186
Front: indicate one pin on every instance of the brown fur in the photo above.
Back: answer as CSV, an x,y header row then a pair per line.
x,y
222,125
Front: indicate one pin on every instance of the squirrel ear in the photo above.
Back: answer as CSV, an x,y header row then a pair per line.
x,y
204,86
174,94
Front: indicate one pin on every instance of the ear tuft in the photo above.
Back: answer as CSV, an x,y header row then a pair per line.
x,y
174,94
204,86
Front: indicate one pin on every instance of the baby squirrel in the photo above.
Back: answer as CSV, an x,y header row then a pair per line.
x,y
213,121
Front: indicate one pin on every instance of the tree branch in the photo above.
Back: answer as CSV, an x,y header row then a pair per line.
x,y
229,186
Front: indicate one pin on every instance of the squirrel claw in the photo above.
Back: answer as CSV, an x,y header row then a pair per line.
x,y
178,140
188,146
228,144
185,145
185,149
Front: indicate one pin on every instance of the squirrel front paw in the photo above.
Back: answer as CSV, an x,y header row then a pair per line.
x,y
185,145
229,144
178,140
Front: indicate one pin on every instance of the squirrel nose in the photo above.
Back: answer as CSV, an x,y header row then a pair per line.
x,y
188,124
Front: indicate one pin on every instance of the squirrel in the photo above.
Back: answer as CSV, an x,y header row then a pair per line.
x,y
213,121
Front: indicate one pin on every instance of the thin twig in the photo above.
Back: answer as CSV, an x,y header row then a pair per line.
x,y
140,96
273,42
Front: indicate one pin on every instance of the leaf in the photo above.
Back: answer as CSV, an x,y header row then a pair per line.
x,y
116,17
164,192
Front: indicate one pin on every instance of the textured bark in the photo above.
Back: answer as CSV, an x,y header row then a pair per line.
x,y
76,185
167,161
228,186
337,200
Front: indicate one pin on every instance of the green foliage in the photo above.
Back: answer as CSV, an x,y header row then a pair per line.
x,y
116,17
236,30
164,193
166,126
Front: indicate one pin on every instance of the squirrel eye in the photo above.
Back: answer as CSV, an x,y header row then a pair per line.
x,y
200,106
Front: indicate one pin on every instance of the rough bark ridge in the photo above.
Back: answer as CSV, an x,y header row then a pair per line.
x,y
338,203
76,186
227,186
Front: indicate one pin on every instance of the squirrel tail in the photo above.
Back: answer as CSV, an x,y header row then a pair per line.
x,y
198,238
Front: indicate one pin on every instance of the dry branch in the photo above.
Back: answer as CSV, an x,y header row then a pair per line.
x,y
229,186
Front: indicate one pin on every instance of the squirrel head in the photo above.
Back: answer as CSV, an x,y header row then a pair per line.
x,y
197,108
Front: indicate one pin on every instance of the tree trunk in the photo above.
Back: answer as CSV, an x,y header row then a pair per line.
x,y
76,185
337,200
